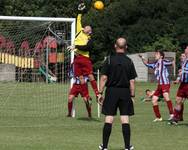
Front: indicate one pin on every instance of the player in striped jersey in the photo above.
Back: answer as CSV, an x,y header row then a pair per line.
x,y
163,88
182,59
74,92
182,92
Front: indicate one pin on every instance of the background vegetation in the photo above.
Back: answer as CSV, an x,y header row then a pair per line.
x,y
145,23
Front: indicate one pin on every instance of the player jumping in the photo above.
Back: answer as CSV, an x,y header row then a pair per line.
x,y
82,62
163,88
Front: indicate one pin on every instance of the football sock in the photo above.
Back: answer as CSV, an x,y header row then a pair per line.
x,y
181,111
170,107
126,134
156,111
70,108
88,107
106,134
177,114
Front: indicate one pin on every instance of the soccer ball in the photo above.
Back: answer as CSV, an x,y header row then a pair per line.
x,y
99,5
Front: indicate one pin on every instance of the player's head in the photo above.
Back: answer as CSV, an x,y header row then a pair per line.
x,y
148,91
121,45
159,54
87,30
182,57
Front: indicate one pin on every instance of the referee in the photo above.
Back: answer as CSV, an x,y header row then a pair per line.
x,y
118,75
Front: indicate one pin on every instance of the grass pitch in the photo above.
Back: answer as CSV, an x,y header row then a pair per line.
x,y
33,117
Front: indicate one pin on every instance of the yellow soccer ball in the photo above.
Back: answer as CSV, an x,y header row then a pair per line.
x,y
99,5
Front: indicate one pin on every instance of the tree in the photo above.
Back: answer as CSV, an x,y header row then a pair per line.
x,y
143,22
166,43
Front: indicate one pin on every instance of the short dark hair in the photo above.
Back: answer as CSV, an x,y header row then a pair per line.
x,y
147,90
161,52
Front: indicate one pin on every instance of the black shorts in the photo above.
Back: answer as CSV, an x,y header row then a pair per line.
x,y
117,98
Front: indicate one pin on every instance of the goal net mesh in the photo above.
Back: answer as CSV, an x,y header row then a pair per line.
x,y
34,68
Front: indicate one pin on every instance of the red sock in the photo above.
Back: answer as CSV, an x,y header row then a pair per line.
x,y
70,108
85,90
156,111
181,112
88,107
170,106
182,108
94,86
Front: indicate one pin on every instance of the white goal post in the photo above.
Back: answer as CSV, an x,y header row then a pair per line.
x,y
71,20
22,62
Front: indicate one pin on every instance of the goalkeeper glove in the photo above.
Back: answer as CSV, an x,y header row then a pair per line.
x,y
82,8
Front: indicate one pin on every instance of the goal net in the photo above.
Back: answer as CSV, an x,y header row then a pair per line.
x,y
34,65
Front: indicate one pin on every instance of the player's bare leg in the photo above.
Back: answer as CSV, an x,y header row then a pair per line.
x,y
169,104
156,109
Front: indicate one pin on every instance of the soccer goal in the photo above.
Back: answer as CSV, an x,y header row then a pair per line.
x,y
35,65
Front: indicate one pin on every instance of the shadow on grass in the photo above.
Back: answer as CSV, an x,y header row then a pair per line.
x,y
117,149
88,119
179,123
183,124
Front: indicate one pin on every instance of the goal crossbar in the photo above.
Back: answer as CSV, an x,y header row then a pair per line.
x,y
37,18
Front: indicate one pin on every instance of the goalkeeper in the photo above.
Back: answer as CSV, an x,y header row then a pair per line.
x,y
82,46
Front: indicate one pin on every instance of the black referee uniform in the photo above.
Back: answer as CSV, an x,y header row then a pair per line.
x,y
120,70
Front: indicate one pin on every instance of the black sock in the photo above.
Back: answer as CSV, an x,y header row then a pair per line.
x,y
126,134
106,134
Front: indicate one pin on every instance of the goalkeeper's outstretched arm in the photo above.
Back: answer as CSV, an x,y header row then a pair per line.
x,y
79,23
81,10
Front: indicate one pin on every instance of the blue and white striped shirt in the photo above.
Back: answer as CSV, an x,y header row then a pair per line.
x,y
160,70
77,81
184,75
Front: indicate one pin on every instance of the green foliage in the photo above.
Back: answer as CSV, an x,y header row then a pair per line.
x,y
166,43
144,23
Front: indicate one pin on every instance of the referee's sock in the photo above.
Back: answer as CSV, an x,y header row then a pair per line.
x,y
106,134
126,134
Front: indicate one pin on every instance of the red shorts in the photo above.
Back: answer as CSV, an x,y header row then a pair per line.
x,y
164,88
82,66
183,90
76,90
